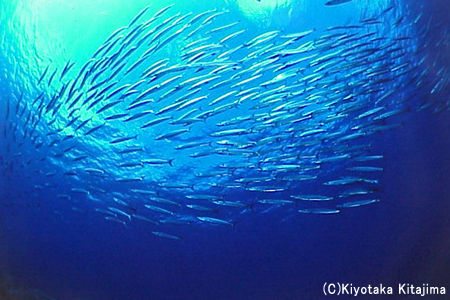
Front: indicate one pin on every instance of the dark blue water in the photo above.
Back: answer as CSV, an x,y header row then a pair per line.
x,y
405,240
65,250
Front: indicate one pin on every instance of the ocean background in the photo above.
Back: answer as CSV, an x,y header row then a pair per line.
x,y
50,250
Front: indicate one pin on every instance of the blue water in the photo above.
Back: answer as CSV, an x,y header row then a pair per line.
x,y
63,248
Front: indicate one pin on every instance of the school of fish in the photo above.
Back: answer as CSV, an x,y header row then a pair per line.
x,y
225,128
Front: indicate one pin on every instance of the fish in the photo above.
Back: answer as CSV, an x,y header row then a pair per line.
x,y
191,145
222,28
155,121
43,75
319,211
230,132
276,201
358,203
138,115
66,69
93,129
123,139
131,165
145,219
312,197
163,201
120,212
138,16
232,35
116,220
108,106
199,207
158,209
166,235
158,161
214,221
239,112
366,169
171,134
